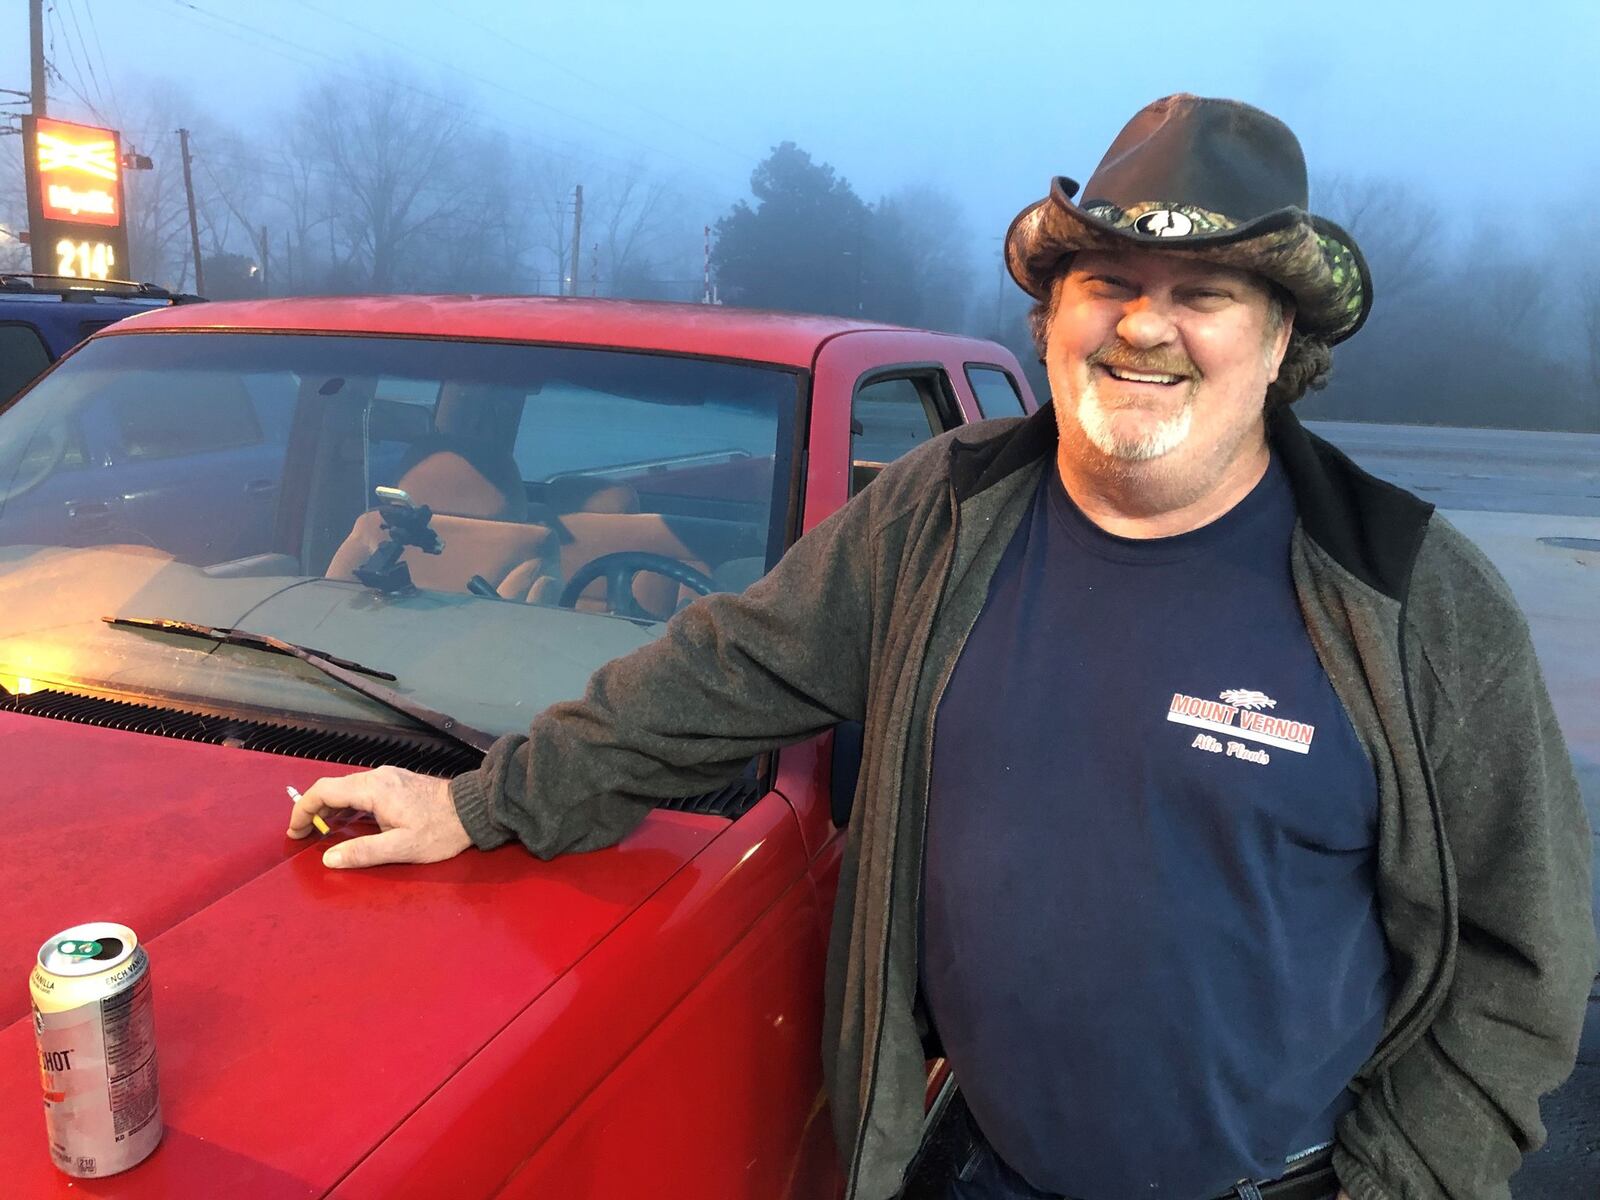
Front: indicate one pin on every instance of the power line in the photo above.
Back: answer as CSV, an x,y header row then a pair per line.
x,y
500,36
77,29
54,70
298,171
494,83
111,84
298,52
53,19
254,34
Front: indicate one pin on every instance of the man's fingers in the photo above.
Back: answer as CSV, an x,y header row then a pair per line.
x,y
416,817
339,791
392,845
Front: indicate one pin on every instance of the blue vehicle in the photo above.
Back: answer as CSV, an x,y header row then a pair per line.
x,y
192,471
44,316
108,469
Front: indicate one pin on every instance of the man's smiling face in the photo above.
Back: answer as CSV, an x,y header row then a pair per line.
x,y
1162,360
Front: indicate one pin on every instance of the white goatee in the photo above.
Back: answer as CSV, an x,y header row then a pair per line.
x,y
1097,426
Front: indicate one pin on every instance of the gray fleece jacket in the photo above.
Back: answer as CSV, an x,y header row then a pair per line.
x,y
1483,845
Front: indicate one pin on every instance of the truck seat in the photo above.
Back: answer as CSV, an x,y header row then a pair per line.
x,y
480,515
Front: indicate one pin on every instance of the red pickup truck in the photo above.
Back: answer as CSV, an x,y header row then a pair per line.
x,y
464,505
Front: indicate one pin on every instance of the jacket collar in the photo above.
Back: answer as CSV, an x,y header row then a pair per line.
x,y
1370,527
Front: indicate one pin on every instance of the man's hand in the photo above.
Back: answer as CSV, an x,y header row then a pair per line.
x,y
415,813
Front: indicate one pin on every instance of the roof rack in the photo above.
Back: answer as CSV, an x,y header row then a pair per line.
x,y
22,281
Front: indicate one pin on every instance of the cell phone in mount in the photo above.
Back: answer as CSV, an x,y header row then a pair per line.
x,y
406,523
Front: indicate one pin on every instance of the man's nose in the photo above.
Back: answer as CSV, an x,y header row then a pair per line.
x,y
1146,324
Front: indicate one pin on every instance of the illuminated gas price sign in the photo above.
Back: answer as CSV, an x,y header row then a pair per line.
x,y
75,213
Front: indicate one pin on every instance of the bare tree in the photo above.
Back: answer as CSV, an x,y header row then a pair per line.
x,y
393,156
920,264
631,215
301,201
1503,282
1397,230
228,193
486,245
650,236
551,177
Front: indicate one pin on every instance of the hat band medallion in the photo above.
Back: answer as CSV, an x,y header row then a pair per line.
x,y
1164,222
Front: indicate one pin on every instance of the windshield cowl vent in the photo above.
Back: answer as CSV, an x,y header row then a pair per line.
x,y
415,752
420,753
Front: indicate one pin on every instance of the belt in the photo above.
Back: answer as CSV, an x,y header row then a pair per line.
x,y
1311,1180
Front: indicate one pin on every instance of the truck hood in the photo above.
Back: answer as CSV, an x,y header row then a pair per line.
x,y
301,1013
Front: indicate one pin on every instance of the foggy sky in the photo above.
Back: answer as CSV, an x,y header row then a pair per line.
x,y
1487,109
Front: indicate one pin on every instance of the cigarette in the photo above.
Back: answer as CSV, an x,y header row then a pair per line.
x,y
316,819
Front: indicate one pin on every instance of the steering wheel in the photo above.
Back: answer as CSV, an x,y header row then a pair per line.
x,y
619,570
54,439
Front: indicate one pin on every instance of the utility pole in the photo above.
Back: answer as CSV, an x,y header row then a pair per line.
x,y
594,268
266,249
577,236
705,297
194,222
38,101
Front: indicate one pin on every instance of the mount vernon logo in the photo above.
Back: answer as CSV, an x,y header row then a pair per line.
x,y
1237,713
1245,698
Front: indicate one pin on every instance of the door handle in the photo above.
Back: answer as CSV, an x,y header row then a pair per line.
x,y
82,509
259,487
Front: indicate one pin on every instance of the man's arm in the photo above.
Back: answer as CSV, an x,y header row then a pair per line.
x,y
732,676
1453,1116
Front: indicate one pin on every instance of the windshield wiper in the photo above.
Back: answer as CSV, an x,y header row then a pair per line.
x,y
344,670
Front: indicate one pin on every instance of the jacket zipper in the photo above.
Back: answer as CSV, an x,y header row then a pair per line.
x,y
1401,1039
883,958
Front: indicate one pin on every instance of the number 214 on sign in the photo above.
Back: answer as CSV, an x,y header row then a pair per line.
x,y
85,260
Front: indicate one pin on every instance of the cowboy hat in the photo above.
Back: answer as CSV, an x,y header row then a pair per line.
x,y
1216,179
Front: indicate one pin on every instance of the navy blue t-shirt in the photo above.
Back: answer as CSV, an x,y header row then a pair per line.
x,y
1151,942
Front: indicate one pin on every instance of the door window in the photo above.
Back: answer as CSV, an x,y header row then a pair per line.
x,y
892,415
22,356
997,393
193,421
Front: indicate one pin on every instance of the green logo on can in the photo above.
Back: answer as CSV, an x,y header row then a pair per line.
x,y
79,949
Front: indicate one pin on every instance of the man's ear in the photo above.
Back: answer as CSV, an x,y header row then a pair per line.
x,y
1280,343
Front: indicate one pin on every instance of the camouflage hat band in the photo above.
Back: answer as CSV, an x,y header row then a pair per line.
x,y
1312,259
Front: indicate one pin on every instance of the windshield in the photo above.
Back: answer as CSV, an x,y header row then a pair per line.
x,y
489,522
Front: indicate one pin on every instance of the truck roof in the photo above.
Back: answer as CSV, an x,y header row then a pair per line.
x,y
788,338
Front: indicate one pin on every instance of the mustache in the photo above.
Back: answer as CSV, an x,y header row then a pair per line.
x,y
1150,362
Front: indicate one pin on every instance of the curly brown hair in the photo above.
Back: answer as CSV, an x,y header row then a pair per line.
x,y
1307,362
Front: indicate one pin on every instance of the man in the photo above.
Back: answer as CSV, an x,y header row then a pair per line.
x,y
1290,852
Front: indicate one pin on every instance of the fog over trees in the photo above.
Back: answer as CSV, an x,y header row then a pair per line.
x,y
381,188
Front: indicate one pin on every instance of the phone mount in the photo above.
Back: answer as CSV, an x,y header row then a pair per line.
x,y
407,525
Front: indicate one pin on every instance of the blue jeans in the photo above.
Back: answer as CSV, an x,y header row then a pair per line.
x,y
984,1177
